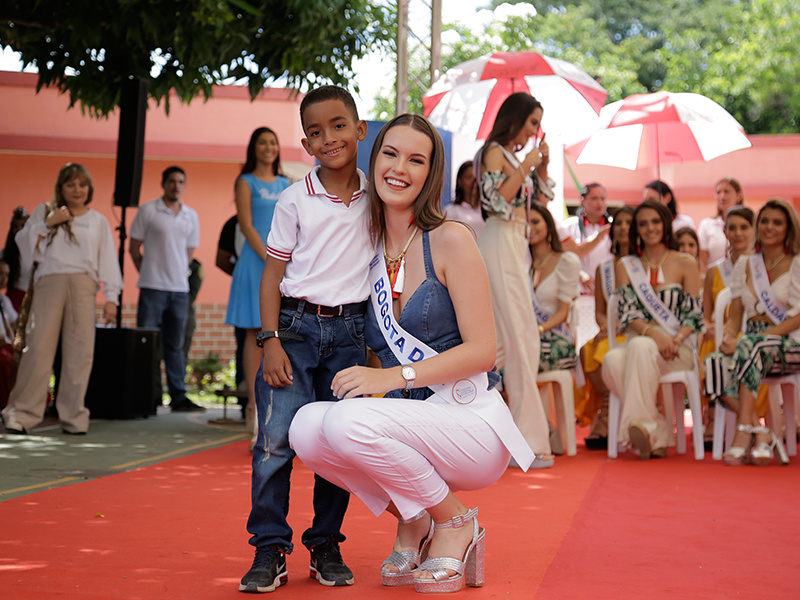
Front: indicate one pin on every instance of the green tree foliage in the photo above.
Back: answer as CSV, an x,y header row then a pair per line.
x,y
88,47
740,53
575,36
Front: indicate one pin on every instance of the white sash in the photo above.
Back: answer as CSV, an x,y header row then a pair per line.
x,y
607,278
725,268
543,316
470,392
774,309
652,303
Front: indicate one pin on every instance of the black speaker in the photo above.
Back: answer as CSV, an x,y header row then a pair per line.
x,y
130,142
126,375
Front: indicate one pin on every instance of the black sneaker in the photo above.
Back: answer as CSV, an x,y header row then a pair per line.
x,y
268,572
327,565
186,406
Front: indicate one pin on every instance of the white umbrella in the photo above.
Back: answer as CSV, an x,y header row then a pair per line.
x,y
467,97
646,130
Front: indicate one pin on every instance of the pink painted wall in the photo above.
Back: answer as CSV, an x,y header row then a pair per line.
x,y
765,170
38,134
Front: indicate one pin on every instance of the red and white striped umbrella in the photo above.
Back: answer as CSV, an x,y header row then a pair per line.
x,y
646,130
467,97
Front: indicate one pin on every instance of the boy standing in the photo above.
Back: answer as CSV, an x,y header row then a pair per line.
x,y
314,294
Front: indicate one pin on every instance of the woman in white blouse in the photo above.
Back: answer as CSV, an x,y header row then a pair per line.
x,y
74,249
711,231
766,288
555,276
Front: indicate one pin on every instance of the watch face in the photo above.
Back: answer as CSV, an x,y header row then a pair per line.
x,y
408,372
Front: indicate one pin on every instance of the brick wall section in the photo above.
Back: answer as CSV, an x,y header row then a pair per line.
x,y
211,335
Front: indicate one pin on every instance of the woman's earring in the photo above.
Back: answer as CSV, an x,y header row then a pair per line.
x,y
758,246
639,245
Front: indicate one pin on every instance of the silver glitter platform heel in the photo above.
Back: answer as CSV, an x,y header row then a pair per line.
x,y
470,570
407,560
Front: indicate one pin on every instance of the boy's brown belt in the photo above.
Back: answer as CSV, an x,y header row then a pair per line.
x,y
343,310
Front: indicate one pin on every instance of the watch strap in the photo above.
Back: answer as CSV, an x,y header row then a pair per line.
x,y
281,335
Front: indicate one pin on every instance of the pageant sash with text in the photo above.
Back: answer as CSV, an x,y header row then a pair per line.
x,y
657,309
774,309
469,392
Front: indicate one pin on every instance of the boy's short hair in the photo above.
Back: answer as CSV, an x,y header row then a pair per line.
x,y
324,93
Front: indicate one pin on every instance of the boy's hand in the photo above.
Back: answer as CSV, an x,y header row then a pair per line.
x,y
277,368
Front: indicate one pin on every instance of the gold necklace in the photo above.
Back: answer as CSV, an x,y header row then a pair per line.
x,y
396,267
775,264
403,253
544,262
660,262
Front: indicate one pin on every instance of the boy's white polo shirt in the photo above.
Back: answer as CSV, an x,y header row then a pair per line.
x,y
166,237
326,244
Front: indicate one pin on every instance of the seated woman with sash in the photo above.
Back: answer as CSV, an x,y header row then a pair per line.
x,y
659,308
555,278
766,288
594,405
441,427
738,230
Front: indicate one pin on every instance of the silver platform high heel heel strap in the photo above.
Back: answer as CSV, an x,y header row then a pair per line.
x,y
407,560
469,570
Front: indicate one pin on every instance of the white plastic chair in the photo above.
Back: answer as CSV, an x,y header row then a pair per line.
x,y
779,394
562,383
673,403
724,420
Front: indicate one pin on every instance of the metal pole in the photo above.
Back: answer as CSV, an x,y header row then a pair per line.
x,y
436,39
402,57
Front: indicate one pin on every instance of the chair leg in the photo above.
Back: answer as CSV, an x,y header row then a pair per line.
x,y
614,411
774,415
693,393
565,412
719,431
789,417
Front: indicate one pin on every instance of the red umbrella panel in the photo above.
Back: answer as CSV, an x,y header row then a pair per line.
x,y
646,130
466,98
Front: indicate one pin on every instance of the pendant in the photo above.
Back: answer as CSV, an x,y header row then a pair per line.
x,y
400,279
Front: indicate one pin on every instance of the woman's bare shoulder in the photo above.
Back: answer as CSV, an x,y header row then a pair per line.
x,y
493,159
453,234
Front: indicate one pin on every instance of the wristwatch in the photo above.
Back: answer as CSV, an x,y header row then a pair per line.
x,y
263,335
281,335
409,374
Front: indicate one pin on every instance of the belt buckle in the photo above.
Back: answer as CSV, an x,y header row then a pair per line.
x,y
321,314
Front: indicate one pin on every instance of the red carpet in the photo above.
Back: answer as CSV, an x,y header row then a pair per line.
x,y
587,529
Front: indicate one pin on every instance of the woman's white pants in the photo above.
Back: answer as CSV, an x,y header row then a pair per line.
x,y
632,372
408,452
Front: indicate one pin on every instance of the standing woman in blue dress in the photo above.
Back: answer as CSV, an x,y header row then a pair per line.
x,y
258,187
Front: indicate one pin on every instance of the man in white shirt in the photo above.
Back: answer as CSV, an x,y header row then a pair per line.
x,y
170,232
589,228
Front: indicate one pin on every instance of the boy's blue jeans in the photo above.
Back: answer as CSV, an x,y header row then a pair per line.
x,y
331,344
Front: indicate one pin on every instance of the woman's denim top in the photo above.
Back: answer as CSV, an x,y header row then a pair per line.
x,y
428,315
